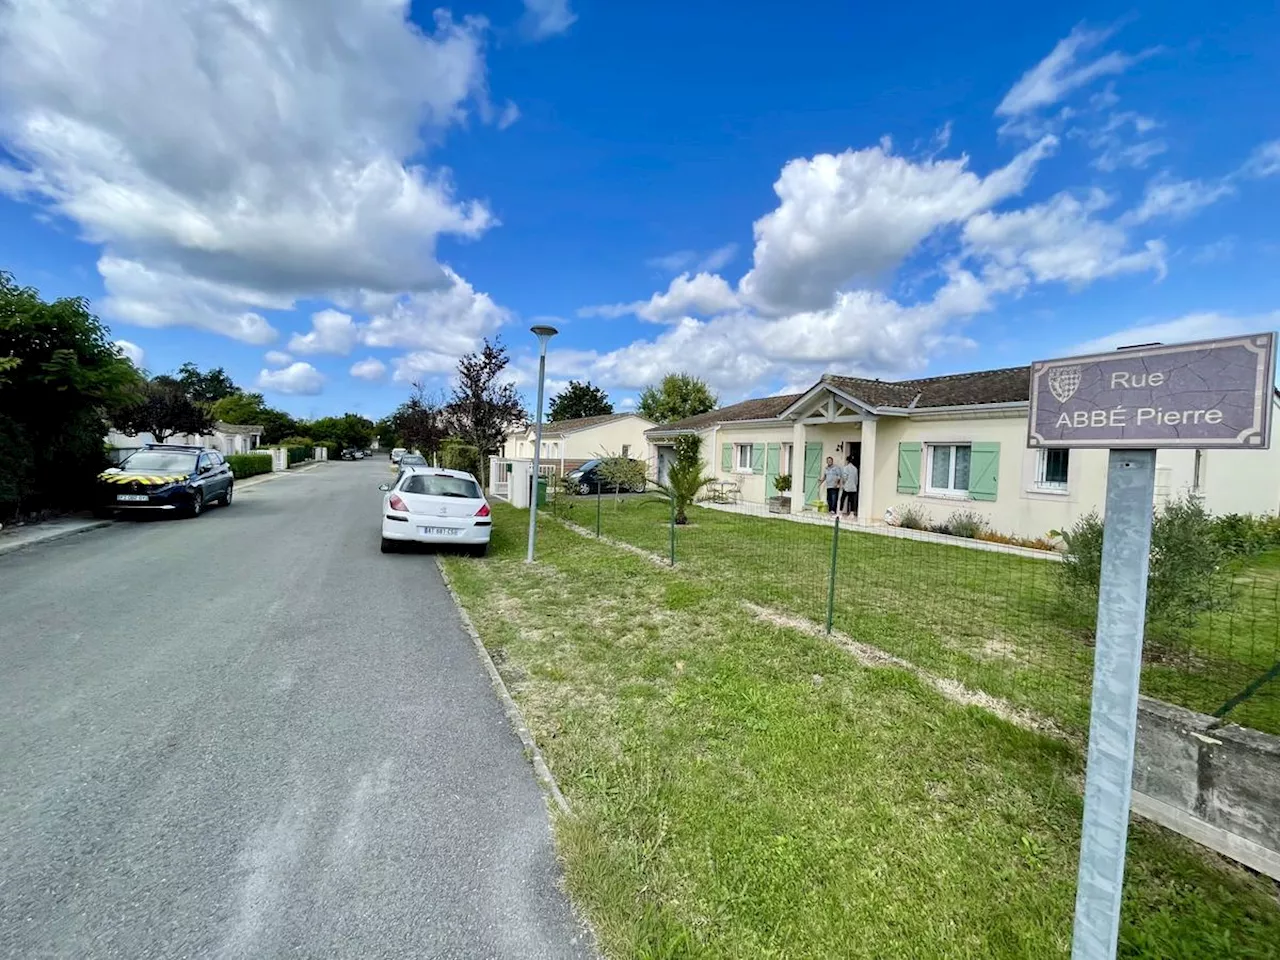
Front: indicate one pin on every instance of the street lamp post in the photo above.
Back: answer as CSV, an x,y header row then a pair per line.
x,y
543,333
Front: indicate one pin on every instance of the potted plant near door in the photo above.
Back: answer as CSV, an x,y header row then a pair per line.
x,y
781,503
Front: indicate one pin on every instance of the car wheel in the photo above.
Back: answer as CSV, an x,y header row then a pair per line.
x,y
197,504
226,497
584,488
480,550
388,546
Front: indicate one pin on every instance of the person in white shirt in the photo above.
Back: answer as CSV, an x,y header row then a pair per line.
x,y
849,487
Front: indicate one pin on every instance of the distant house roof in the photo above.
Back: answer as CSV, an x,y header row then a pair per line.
x,y
239,429
764,408
1007,385
558,428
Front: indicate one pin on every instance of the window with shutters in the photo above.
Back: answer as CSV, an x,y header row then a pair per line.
x,y
948,469
743,454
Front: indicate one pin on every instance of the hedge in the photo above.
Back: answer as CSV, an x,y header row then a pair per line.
x,y
334,449
248,464
298,454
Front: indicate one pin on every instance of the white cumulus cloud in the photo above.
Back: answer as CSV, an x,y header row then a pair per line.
x,y
856,215
132,352
299,379
702,295
1168,197
230,153
277,358
332,331
371,369
1058,241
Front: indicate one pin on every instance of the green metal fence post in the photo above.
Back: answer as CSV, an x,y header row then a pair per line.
x,y
831,579
673,531
597,511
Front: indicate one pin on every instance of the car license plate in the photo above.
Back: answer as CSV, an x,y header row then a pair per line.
x,y
440,531
133,497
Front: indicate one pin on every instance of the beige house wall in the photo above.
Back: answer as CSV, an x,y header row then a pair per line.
x,y
604,438
1229,481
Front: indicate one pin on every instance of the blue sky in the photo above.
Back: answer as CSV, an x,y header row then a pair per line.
x,y
332,198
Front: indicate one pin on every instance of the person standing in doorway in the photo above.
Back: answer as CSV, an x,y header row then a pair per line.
x,y
849,488
832,477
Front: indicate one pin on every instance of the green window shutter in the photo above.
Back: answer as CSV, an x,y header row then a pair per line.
x,y
984,470
908,468
772,463
726,456
812,470
757,458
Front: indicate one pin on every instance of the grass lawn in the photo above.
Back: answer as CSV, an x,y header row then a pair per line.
x,y
994,621
746,790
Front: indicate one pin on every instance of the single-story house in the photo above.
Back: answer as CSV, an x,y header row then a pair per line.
x,y
568,444
943,444
226,438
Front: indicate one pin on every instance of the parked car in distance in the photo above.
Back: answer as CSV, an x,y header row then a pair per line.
x,y
409,460
359,454
430,505
397,453
167,477
347,455
587,479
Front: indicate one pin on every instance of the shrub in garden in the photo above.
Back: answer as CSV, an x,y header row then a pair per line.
x,y
912,517
299,453
1185,557
248,464
1243,535
965,523
458,455
622,474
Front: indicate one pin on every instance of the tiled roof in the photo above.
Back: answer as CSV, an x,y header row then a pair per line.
x,y
764,408
1008,385
561,427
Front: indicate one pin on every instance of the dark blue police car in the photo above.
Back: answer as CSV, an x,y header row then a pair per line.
x,y
166,476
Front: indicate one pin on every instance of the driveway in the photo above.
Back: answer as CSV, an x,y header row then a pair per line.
x,y
253,735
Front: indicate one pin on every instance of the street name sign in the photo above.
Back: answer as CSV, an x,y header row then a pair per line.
x,y
1214,393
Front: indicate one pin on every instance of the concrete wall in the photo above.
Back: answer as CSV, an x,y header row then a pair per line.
x,y
1220,787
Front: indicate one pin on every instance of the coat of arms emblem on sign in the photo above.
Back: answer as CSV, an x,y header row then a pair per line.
x,y
1064,382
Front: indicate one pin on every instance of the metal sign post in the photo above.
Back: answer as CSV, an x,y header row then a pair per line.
x,y
1212,394
1113,717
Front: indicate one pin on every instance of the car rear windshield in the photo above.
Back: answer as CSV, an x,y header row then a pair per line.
x,y
412,459
439,485
161,461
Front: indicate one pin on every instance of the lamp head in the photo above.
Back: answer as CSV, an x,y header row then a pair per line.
x,y
543,332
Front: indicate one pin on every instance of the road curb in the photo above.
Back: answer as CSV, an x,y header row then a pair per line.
x,y
540,768
60,535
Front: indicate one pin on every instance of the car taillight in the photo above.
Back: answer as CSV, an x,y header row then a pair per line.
x,y
483,511
395,503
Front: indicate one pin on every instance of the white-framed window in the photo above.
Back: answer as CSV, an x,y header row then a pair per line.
x,y
1051,469
784,461
626,450
1197,473
948,469
742,457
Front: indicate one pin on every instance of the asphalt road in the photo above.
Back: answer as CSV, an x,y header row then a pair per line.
x,y
253,735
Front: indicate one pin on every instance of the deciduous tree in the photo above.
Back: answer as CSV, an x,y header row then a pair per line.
x,y
579,399
679,395
485,405
60,375
162,408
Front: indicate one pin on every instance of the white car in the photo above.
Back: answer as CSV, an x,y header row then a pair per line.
x,y
429,505
397,453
